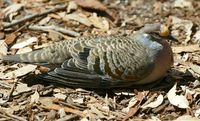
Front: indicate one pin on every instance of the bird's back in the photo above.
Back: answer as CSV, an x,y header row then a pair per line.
x,y
109,60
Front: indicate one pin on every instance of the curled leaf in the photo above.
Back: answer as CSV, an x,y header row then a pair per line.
x,y
177,100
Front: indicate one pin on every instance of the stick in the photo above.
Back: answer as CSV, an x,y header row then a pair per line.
x,y
27,18
14,117
55,28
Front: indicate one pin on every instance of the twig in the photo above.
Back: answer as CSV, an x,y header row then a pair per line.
x,y
27,24
6,117
32,92
150,99
4,85
161,107
10,93
75,106
67,118
62,35
53,106
12,90
14,117
27,18
55,28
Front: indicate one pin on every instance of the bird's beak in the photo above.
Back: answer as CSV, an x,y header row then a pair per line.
x,y
164,32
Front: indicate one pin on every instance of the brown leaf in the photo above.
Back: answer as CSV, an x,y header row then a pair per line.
x,y
99,22
12,8
155,103
2,35
47,103
24,43
21,88
131,112
187,118
157,8
54,36
81,18
43,69
195,68
134,110
19,72
10,39
189,48
177,100
91,4
1,3
35,97
72,6
2,15
24,50
3,48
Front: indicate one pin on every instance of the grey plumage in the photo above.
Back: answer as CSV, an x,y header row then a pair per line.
x,y
100,61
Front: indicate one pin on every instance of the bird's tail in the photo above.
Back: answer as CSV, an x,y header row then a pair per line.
x,y
55,53
30,57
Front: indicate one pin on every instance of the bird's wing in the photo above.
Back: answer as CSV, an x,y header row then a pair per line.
x,y
104,62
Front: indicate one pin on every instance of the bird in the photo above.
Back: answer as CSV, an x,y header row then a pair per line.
x,y
105,61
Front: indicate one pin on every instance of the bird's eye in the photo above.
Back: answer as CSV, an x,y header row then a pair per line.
x,y
149,36
146,35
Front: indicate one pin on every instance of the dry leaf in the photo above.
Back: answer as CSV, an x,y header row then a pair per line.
x,y
19,72
196,36
188,48
106,108
44,21
60,96
24,50
10,39
158,8
133,110
197,113
79,100
131,103
91,4
21,87
196,83
62,113
177,100
35,97
186,118
12,8
99,22
156,103
153,118
84,119
47,103
195,68
24,43
55,36
187,25
72,6
96,111
81,18
3,48
2,101
17,107
2,35
57,16
51,115
183,4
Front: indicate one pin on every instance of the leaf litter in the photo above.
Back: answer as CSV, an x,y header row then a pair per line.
x,y
178,93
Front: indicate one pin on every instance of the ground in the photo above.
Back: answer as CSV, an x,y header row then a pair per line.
x,y
27,25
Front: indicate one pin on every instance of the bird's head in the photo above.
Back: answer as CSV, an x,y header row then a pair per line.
x,y
158,30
